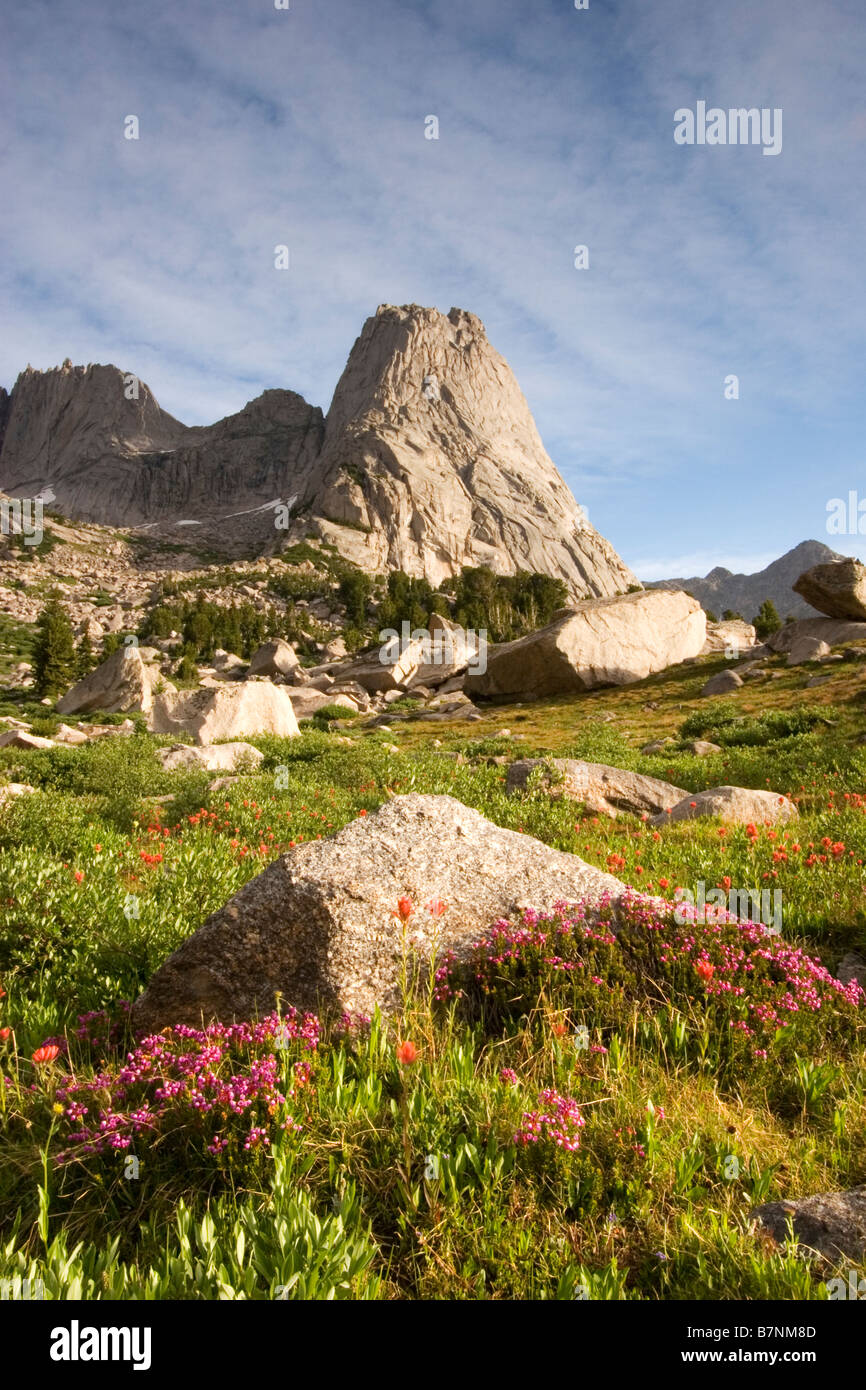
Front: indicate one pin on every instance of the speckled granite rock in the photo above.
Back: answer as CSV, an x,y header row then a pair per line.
x,y
318,924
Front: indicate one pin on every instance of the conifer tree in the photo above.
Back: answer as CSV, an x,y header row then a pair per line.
x,y
54,659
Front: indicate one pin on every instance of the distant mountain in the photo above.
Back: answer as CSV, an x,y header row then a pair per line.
x,y
744,593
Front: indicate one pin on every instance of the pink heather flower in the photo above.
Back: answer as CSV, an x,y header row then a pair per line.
x,y
508,1076
558,1123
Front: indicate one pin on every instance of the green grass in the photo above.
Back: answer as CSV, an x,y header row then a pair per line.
x,y
405,1181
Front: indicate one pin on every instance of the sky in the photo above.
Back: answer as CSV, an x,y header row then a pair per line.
x,y
305,127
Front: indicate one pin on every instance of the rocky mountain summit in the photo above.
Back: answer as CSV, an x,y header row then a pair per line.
x,y
721,590
428,460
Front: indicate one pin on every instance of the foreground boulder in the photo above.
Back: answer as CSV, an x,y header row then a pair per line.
x,y
734,805
833,1224
604,790
225,712
837,589
223,757
319,923
608,641
123,683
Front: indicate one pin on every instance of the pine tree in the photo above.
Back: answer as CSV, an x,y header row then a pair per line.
x,y
54,663
84,657
766,620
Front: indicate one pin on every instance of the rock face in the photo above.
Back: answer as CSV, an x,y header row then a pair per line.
x,y
721,590
429,460
122,683
225,712
602,642
431,450
833,1224
319,924
734,805
604,790
837,589
124,461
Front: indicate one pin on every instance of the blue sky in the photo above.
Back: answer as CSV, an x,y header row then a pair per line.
x,y
306,127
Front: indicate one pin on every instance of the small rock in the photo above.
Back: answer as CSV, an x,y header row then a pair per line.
x,y
658,745
722,683
18,738
807,649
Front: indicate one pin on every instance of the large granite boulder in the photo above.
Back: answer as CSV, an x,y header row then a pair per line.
x,y
225,712
837,589
608,641
123,683
734,805
319,923
603,790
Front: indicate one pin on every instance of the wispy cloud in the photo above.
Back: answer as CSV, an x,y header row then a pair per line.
x,y
306,127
